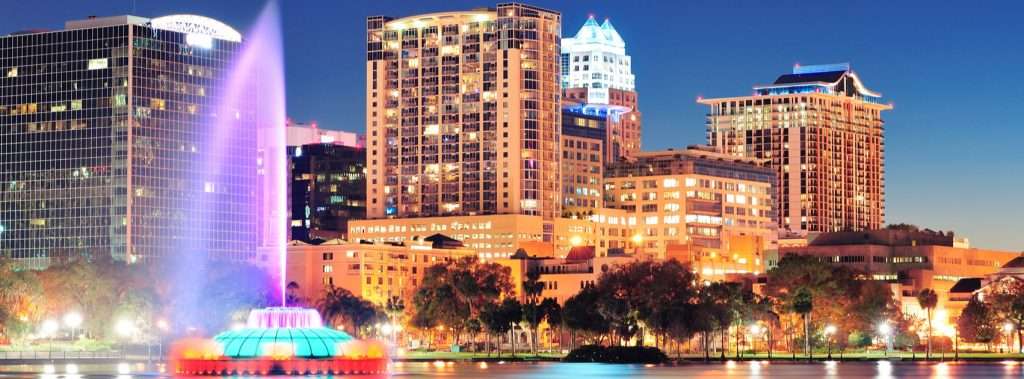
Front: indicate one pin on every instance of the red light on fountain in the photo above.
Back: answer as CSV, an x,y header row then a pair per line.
x,y
284,341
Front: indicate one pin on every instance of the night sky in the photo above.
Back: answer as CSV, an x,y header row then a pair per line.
x,y
952,70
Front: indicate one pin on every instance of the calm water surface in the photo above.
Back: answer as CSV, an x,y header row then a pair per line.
x,y
591,370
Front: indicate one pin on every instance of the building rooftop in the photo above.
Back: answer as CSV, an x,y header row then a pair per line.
x,y
885,237
966,285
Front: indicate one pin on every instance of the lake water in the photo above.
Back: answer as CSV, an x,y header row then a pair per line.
x,y
551,370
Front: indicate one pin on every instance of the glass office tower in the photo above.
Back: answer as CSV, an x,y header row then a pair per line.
x,y
107,144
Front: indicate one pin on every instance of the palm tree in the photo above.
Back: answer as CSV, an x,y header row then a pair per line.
x,y
928,299
803,304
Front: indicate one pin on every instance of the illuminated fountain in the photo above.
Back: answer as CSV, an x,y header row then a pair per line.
x,y
278,340
288,341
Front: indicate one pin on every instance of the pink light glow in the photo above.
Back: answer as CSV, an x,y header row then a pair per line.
x,y
284,318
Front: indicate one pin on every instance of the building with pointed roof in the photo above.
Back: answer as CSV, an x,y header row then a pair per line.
x,y
821,129
596,58
600,114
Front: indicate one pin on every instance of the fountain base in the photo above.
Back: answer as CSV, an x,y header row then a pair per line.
x,y
279,341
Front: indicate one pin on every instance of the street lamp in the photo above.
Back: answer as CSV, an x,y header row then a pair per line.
x,y
163,327
755,330
124,328
829,331
73,320
1008,328
886,331
49,329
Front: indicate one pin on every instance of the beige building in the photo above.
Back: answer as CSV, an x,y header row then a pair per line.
x,y
821,130
709,209
562,277
463,113
499,236
375,272
910,261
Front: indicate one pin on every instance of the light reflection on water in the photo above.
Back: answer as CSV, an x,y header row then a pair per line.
x,y
447,369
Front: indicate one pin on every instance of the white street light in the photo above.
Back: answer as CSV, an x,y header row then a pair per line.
x,y
829,331
886,332
125,328
73,320
50,327
162,325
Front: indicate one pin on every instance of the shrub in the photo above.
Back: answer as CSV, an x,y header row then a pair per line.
x,y
616,354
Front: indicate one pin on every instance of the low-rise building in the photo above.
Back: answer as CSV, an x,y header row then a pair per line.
x,y
909,260
373,271
562,277
499,236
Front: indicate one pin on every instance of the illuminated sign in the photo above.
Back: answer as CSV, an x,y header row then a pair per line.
x,y
198,26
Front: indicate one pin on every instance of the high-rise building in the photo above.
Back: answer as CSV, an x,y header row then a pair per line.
x,y
106,140
821,129
327,188
697,205
597,80
583,144
463,113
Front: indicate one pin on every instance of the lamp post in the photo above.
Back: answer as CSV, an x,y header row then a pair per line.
x,y
49,329
886,331
754,331
829,331
73,320
1008,328
162,326
124,328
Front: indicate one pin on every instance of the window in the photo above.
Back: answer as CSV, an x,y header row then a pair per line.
x,y
97,64
328,268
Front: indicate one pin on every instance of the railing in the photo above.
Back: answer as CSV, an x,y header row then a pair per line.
x,y
48,355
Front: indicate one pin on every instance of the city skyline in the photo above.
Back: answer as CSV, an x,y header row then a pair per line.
x,y
938,155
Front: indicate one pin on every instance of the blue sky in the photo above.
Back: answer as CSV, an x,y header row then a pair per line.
x,y
952,69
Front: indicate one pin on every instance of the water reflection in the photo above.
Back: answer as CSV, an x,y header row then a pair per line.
x,y
519,370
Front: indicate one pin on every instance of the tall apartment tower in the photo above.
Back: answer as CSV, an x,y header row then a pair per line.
x,y
597,80
463,113
105,134
822,131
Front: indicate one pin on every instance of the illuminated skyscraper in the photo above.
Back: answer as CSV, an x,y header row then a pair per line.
x,y
106,136
597,80
463,113
822,131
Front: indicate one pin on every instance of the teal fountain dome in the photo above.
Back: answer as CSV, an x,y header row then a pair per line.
x,y
280,340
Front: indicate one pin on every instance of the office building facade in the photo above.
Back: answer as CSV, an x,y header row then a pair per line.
x,y
712,210
583,147
822,131
463,113
105,137
598,80
327,188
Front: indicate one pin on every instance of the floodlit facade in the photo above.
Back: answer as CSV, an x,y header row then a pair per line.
x,y
598,81
298,134
561,278
375,272
712,210
821,130
499,236
104,128
463,113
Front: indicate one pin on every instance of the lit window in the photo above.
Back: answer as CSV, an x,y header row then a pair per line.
x,y
97,64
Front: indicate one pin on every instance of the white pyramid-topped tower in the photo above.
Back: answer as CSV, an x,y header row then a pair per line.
x,y
596,58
